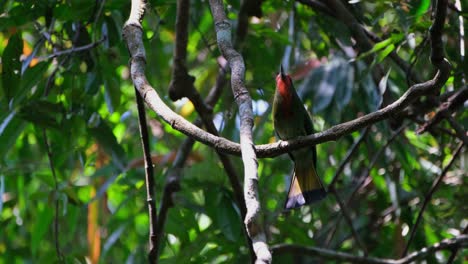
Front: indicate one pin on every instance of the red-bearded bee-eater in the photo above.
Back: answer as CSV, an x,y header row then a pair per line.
x,y
291,120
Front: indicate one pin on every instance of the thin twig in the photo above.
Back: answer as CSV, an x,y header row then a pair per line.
x,y
363,177
456,242
459,130
348,219
149,178
428,197
171,186
73,50
348,156
366,174
454,101
56,200
456,249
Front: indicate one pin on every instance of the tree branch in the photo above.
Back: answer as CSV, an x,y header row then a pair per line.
x,y
457,242
181,80
348,157
444,112
74,49
182,86
149,179
133,36
242,97
348,219
456,249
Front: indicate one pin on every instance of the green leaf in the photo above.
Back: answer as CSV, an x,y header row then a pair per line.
x,y
383,45
383,54
11,75
42,224
421,8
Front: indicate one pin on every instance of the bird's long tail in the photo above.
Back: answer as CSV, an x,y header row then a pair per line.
x,y
305,187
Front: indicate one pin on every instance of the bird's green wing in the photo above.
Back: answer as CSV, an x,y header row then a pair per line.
x,y
309,128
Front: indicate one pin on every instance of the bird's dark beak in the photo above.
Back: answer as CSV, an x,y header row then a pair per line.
x,y
283,76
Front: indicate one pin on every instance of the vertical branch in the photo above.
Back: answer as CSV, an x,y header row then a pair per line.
x,y
181,80
149,178
428,197
52,169
56,201
136,15
171,186
182,86
242,97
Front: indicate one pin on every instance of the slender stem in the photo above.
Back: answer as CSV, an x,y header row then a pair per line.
x,y
149,178
456,249
348,156
348,219
56,200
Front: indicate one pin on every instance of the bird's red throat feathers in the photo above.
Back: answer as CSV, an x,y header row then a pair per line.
x,y
284,89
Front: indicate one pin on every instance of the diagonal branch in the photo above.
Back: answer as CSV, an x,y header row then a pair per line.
x,y
133,36
344,211
74,49
132,32
242,97
348,157
453,243
444,112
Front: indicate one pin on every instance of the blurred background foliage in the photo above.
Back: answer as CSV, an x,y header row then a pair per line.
x,y
64,74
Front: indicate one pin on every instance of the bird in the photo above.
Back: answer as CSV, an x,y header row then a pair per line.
x,y
291,120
